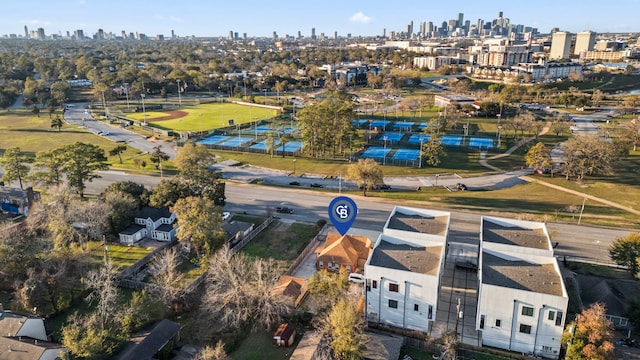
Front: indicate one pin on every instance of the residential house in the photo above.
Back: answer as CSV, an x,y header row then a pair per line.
x,y
522,300
25,338
402,275
349,252
236,231
151,222
17,201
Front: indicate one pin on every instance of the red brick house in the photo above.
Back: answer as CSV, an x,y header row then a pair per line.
x,y
349,252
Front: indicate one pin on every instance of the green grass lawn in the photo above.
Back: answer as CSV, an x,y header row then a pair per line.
x,y
281,241
258,346
207,116
121,256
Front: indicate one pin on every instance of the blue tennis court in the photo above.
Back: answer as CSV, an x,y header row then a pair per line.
x,y
451,140
481,142
403,126
418,138
291,146
390,137
359,123
262,145
380,123
375,152
406,154
213,139
262,129
235,141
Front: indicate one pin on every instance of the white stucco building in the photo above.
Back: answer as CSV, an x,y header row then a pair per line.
x,y
403,272
522,300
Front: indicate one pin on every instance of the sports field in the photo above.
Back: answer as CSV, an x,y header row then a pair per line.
x,y
204,116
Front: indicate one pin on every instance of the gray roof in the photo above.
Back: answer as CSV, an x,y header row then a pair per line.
x,y
520,275
514,235
153,213
418,259
436,225
165,228
25,348
132,229
151,341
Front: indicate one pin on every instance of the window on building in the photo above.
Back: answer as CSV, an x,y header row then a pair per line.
x,y
321,264
368,285
430,316
527,311
416,307
374,284
393,287
498,322
552,315
559,318
481,321
525,329
547,349
393,304
348,268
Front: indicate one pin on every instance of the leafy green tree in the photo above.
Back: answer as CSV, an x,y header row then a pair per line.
x,y
590,336
13,162
7,98
366,173
118,150
57,122
82,162
137,191
538,157
587,155
200,224
157,156
625,251
48,167
195,163
559,127
326,287
432,151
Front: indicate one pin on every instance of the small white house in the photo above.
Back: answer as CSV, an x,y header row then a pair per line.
x,y
150,222
522,300
403,272
25,337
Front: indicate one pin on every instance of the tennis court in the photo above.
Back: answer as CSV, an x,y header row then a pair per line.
x,y
481,143
290,147
418,138
375,152
423,126
402,126
236,141
392,138
380,124
359,123
451,140
262,145
213,139
406,154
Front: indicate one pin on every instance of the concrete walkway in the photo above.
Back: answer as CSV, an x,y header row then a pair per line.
x,y
484,162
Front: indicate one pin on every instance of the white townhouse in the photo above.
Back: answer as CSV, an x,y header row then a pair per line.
x,y
150,222
522,300
403,271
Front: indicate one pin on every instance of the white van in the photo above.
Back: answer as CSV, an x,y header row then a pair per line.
x,y
356,278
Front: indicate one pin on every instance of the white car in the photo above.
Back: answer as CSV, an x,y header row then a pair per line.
x,y
226,215
356,278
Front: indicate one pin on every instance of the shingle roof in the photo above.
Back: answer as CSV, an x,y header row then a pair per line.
x,y
153,213
418,259
521,275
152,341
132,229
347,248
25,348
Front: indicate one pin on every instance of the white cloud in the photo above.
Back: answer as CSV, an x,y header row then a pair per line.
x,y
361,18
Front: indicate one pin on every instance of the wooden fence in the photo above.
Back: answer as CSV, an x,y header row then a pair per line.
x,y
313,244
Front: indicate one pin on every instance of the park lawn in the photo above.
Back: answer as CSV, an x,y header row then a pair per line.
x,y
207,116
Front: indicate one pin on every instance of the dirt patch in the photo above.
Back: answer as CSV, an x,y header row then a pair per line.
x,y
171,114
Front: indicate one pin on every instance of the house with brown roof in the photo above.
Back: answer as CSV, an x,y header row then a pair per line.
x,y
403,273
349,252
522,300
25,338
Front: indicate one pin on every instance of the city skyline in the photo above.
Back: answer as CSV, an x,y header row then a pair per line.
x,y
261,19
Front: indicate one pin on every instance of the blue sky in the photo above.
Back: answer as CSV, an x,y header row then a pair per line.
x,y
261,18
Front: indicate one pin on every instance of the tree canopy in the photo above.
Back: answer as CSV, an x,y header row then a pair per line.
x,y
366,173
82,160
625,251
14,164
590,336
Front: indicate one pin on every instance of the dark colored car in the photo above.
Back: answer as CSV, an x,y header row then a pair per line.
x,y
316,185
294,183
461,186
284,210
385,187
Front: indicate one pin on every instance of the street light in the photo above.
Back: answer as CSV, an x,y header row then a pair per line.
x,y
499,131
350,151
144,112
384,155
420,159
179,96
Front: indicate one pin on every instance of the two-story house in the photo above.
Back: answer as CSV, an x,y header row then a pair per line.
x,y
402,275
25,337
150,222
522,300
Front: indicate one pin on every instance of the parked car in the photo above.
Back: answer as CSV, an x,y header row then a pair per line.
x,y
226,215
384,187
461,186
316,185
294,183
284,210
356,278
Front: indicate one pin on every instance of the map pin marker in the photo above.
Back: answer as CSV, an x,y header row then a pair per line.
x,y
342,213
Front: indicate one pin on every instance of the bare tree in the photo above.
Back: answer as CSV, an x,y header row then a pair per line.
x,y
104,291
212,352
164,269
